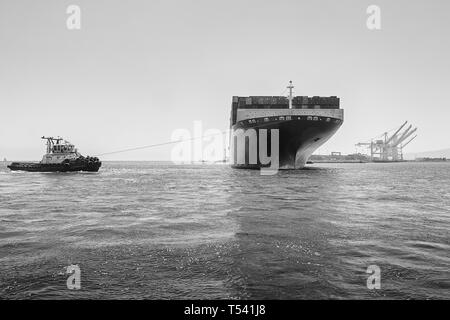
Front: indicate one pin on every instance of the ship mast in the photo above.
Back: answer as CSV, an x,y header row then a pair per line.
x,y
290,87
50,142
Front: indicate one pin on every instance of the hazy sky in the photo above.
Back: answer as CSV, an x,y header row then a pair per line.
x,y
138,70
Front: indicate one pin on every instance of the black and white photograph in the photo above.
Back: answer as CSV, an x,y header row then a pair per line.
x,y
223,155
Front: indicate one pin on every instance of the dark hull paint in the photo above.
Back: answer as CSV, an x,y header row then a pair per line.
x,y
298,139
70,167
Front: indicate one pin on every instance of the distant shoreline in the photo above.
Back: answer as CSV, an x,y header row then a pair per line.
x,y
358,161
222,163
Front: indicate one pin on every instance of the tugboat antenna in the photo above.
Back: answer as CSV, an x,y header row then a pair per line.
x,y
290,87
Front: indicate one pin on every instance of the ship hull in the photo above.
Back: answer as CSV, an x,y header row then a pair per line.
x,y
55,167
298,139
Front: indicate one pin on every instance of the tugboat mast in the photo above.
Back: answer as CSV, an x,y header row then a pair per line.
x,y
290,87
50,142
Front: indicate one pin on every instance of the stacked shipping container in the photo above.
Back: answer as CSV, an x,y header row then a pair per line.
x,y
280,102
299,102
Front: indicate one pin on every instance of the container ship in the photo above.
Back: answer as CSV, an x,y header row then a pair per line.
x,y
61,156
304,124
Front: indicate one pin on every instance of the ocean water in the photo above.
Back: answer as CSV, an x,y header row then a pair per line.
x,y
162,231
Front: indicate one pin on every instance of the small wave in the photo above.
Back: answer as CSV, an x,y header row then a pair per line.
x,y
429,245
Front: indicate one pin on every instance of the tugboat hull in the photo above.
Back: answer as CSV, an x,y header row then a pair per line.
x,y
71,166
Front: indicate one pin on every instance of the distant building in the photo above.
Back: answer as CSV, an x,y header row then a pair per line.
x,y
339,157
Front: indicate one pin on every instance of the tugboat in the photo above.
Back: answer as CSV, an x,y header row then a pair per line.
x,y
61,156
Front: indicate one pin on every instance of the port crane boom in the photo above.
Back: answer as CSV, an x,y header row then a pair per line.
x,y
391,148
404,145
403,134
404,137
396,132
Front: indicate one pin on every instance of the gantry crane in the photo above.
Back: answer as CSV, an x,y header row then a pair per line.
x,y
391,147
